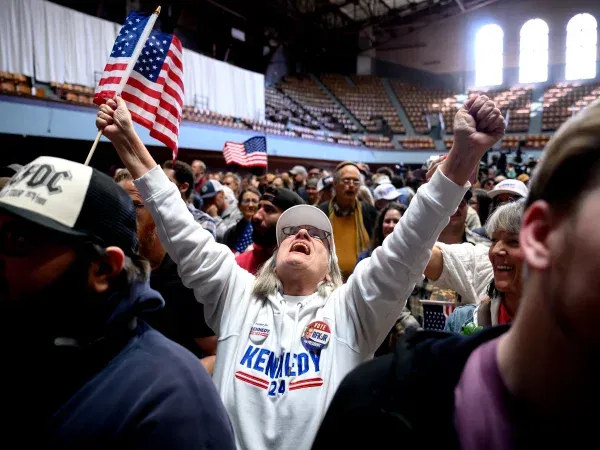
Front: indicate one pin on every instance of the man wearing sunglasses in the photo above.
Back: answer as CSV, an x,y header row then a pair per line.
x,y
80,368
275,377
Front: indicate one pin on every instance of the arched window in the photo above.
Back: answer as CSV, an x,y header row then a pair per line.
x,y
489,55
582,36
533,56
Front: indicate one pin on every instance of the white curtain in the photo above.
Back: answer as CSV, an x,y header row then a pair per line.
x,y
223,88
54,43
16,38
70,46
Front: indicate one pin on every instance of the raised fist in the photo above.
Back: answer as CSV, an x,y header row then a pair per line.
x,y
478,125
114,120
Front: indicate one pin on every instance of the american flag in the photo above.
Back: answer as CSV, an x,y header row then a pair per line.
x,y
251,153
154,90
435,314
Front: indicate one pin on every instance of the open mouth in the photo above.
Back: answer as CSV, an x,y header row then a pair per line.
x,y
504,268
300,247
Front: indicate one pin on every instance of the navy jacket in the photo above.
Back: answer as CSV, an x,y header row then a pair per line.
x,y
126,387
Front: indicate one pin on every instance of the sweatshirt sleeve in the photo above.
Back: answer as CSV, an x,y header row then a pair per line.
x,y
205,266
376,292
467,270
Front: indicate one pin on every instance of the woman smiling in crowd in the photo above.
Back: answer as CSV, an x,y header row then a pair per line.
x,y
488,280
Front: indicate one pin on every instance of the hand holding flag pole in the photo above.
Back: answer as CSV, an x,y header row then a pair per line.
x,y
131,63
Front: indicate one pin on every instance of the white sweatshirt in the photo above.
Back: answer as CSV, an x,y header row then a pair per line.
x,y
275,391
467,270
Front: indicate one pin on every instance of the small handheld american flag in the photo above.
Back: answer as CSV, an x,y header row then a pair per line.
x,y
154,90
250,153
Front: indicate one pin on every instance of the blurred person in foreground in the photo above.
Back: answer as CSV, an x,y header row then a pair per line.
x,y
288,336
533,385
81,367
182,317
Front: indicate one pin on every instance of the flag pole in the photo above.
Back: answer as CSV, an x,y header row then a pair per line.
x,y
134,57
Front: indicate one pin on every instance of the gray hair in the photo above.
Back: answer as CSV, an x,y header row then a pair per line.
x,y
365,196
267,282
506,218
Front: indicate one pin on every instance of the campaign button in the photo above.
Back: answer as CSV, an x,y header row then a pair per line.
x,y
316,336
259,332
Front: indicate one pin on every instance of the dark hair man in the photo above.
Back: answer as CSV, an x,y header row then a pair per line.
x,y
80,368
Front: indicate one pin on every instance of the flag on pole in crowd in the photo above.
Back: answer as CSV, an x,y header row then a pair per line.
x,y
251,153
151,84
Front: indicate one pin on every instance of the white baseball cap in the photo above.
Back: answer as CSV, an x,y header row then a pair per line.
x,y
384,179
513,187
386,192
303,215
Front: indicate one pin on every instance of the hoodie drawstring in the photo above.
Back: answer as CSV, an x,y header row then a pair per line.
x,y
299,306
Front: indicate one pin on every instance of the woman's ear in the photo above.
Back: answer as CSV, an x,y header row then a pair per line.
x,y
105,269
328,278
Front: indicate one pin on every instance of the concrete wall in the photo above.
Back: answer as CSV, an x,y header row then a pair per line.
x,y
446,48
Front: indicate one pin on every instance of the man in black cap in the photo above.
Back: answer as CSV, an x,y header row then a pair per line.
x,y
264,237
80,369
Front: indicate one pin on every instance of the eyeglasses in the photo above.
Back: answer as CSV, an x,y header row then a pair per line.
x,y
351,181
249,201
313,232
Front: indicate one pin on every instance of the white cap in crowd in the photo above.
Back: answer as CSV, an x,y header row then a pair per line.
x,y
513,187
386,192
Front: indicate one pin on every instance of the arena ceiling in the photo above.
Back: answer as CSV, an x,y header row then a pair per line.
x,y
317,34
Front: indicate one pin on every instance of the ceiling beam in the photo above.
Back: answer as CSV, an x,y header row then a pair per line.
x,y
460,5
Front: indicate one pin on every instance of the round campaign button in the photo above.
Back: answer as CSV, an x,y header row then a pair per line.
x,y
259,332
316,336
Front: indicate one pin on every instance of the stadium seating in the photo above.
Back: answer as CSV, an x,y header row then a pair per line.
x,y
14,83
379,142
422,143
515,104
73,93
416,101
305,92
565,99
282,109
367,100
536,142
211,118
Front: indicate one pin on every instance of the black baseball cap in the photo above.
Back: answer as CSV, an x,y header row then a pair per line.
x,y
210,189
73,199
282,198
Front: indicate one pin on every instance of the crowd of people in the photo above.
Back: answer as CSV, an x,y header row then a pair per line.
x,y
174,306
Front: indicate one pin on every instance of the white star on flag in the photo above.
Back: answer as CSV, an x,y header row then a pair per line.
x,y
154,67
151,76
164,42
130,23
137,20
120,48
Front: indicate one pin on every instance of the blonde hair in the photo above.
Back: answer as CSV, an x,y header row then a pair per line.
x,y
267,282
